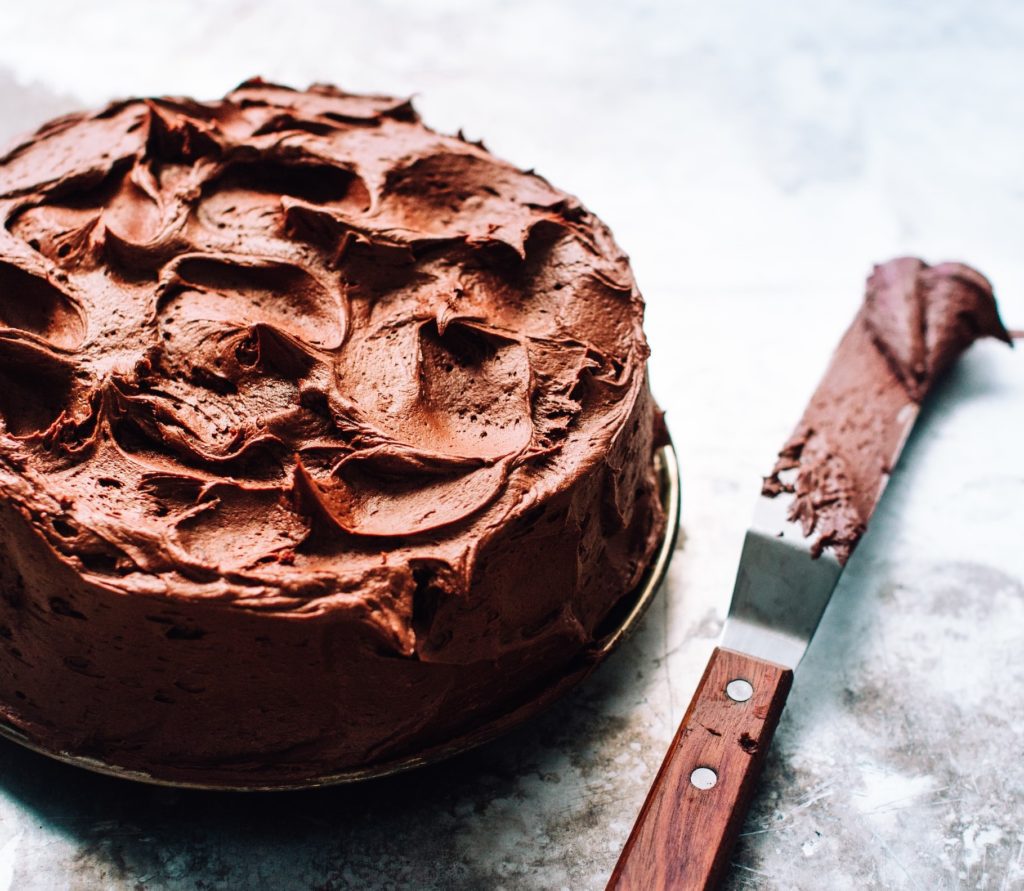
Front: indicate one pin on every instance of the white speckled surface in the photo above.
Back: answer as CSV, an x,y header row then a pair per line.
x,y
755,159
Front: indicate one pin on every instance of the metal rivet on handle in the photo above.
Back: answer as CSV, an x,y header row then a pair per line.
x,y
739,690
703,778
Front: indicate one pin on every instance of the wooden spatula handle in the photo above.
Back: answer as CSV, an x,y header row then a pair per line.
x,y
687,826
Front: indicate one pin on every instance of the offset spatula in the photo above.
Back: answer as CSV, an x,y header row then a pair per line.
x,y
696,806
816,504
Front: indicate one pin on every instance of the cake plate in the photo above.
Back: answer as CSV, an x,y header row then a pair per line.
x,y
622,620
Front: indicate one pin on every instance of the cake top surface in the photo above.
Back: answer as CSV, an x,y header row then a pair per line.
x,y
240,338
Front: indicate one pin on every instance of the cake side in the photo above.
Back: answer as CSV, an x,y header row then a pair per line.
x,y
323,433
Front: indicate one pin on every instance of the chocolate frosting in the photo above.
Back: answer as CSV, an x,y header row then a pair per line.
x,y
293,363
915,323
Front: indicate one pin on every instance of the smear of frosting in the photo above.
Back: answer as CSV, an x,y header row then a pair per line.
x,y
915,323
923,317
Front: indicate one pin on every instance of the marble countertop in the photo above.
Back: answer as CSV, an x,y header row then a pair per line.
x,y
754,159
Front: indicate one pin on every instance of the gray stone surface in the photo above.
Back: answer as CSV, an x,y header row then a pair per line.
x,y
754,158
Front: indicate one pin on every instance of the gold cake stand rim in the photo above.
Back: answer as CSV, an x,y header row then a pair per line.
x,y
666,467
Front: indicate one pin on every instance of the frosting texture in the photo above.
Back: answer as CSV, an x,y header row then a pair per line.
x,y
915,322
295,390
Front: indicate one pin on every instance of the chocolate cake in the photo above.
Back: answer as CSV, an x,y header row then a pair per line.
x,y
325,436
